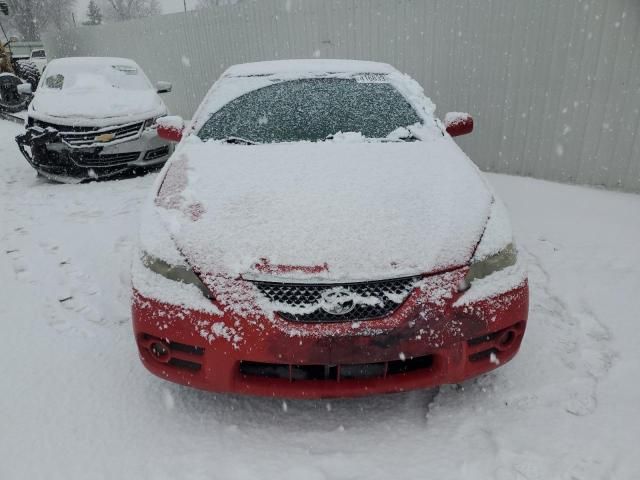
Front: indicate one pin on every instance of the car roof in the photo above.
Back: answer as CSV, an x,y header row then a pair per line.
x,y
98,61
304,66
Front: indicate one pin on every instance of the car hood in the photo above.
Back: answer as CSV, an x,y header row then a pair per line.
x,y
96,104
325,211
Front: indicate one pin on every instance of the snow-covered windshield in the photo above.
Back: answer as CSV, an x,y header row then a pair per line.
x,y
93,76
311,109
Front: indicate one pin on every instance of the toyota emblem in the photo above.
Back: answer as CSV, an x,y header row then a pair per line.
x,y
337,301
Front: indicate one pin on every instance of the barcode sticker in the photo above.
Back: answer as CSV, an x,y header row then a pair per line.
x,y
371,78
126,69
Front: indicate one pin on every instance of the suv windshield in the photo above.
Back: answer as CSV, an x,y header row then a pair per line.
x,y
312,110
91,76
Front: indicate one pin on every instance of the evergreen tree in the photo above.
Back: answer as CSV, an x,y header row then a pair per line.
x,y
94,15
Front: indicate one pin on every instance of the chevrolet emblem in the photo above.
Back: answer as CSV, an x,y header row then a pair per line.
x,y
105,137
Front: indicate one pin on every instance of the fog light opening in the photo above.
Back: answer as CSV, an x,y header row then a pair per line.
x,y
507,338
160,351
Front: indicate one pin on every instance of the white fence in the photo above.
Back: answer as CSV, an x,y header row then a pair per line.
x,y
554,86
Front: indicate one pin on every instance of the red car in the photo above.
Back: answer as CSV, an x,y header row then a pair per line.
x,y
318,233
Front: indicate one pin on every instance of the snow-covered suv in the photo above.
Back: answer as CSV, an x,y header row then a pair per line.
x,y
39,58
94,117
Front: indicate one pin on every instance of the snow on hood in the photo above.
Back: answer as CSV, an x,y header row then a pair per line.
x,y
326,211
95,88
107,102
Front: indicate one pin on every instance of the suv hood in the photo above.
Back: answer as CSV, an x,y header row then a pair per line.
x,y
325,211
96,104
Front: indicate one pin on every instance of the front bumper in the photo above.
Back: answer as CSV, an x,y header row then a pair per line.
x,y
426,342
51,157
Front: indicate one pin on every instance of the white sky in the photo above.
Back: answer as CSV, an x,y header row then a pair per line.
x,y
168,6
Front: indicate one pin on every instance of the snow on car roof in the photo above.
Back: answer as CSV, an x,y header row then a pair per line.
x,y
307,66
98,61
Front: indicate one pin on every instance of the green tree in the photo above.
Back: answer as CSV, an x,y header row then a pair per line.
x,y
94,14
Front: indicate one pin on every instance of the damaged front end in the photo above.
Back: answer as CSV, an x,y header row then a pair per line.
x,y
75,154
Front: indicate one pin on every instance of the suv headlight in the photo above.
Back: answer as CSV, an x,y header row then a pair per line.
x,y
177,273
491,264
150,122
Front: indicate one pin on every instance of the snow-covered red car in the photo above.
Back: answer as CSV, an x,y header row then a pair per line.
x,y
318,233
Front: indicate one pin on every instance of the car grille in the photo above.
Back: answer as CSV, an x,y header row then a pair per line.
x,y
339,372
308,302
86,136
107,160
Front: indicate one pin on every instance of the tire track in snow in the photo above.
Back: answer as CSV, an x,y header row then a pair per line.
x,y
572,353
66,292
40,218
579,337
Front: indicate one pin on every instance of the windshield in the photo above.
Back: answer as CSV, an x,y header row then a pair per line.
x,y
93,76
312,110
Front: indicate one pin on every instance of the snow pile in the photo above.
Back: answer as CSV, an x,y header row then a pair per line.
x,y
452,118
172,122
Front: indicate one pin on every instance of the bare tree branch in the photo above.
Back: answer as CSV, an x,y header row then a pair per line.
x,y
119,10
216,3
30,18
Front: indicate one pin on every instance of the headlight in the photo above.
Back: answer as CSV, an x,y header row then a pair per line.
x,y
177,273
503,259
150,122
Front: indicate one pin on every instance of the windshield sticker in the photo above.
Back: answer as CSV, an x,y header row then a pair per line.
x,y
371,78
54,81
126,69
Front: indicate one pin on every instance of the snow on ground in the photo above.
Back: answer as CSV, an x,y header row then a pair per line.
x,y
77,404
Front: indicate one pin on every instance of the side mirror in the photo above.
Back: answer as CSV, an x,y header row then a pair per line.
x,y
458,123
170,128
25,89
163,87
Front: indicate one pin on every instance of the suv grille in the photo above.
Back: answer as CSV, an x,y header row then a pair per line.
x,y
318,303
86,136
157,153
108,160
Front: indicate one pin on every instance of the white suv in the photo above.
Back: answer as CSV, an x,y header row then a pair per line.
x,y
39,58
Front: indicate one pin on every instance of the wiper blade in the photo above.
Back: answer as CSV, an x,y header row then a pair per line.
x,y
239,141
408,138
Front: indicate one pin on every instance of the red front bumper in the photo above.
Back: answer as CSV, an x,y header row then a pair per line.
x,y
426,342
